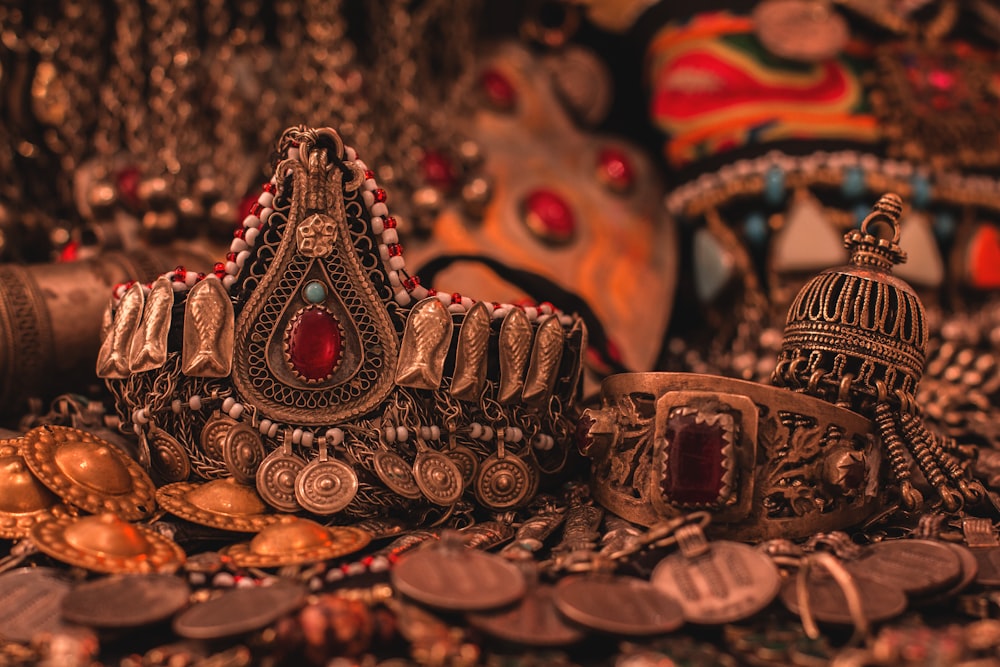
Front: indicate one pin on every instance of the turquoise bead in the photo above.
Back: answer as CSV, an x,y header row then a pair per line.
x,y
853,185
774,185
314,292
755,228
921,191
944,225
861,212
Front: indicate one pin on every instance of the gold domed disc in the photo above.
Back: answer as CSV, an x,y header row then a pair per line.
x,y
220,503
88,472
24,501
294,541
106,543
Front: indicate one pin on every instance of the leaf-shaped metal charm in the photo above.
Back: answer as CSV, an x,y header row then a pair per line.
x,y
208,331
470,359
112,359
425,345
148,350
577,342
515,346
545,357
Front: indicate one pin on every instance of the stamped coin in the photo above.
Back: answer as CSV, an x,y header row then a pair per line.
x,y
448,575
32,599
467,462
532,621
988,560
243,452
802,30
917,567
126,601
326,487
970,570
828,603
396,474
276,480
213,435
239,611
438,478
729,582
168,458
503,483
623,606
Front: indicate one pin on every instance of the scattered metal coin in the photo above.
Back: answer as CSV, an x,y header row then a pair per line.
x,y
32,597
917,567
243,451
293,541
970,570
88,472
448,575
129,601
503,483
105,543
800,30
325,487
276,479
24,500
167,457
239,611
728,582
828,603
396,474
438,477
623,606
533,621
220,503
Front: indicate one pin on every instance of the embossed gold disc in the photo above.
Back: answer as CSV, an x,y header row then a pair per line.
x,y
213,435
326,487
222,503
467,462
106,543
396,474
24,501
167,457
88,472
243,452
276,480
438,478
294,541
503,483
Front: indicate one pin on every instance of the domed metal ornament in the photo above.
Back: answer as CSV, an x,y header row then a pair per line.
x,y
295,541
106,543
24,501
88,472
222,503
856,336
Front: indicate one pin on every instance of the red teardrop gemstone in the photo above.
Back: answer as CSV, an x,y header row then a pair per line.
x,y
314,344
694,461
614,169
548,215
500,92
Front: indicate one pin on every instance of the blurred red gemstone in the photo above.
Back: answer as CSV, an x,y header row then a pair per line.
x,y
695,461
245,207
548,215
614,169
438,170
499,90
314,344
127,183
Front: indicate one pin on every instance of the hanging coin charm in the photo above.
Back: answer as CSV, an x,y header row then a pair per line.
x,y
916,567
168,458
467,462
243,452
716,582
276,478
623,606
213,435
325,486
504,480
437,476
396,474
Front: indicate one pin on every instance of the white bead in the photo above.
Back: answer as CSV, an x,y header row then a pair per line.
x,y
231,268
264,426
390,236
354,569
236,411
273,431
369,184
335,436
307,438
545,309
293,153
265,214
435,432
380,209
368,198
228,404
394,279
402,297
500,313
383,252
390,434
444,298
229,281
514,434
242,257
476,430
296,436
379,564
468,302
238,245
250,236
175,405
378,224
402,434
266,198
352,155
456,308
419,292
195,402
397,263
139,416
178,286
191,279
531,312
251,221
487,433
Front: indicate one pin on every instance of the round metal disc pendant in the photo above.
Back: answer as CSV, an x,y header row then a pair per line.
x,y
438,477
452,577
295,541
623,606
88,472
800,29
276,480
828,603
243,452
129,601
168,458
503,483
396,474
917,567
32,599
213,435
105,543
326,487
239,611
533,621
467,462
730,582
221,503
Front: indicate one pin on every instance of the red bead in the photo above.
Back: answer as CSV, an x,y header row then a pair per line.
x,y
314,343
199,277
695,461
256,209
367,561
499,91
614,169
438,170
411,283
180,274
379,195
127,183
369,174
456,298
395,250
239,232
269,187
390,222
524,302
245,207
219,269
431,291
230,256
548,215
